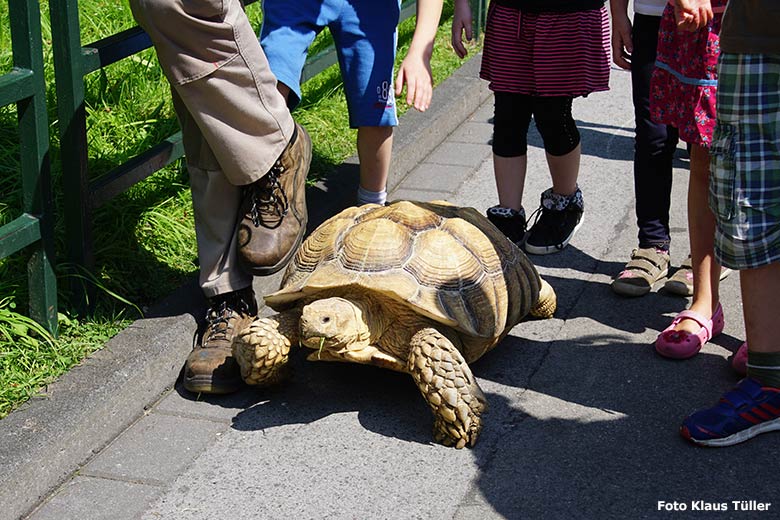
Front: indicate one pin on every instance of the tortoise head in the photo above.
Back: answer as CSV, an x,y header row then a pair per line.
x,y
335,324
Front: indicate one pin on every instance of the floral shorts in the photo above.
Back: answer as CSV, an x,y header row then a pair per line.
x,y
745,161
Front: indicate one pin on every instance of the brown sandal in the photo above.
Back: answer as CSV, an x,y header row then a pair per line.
x,y
681,282
646,267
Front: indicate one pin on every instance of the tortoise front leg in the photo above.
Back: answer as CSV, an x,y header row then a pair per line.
x,y
448,386
262,349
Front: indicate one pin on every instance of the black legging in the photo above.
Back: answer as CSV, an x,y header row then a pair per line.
x,y
553,120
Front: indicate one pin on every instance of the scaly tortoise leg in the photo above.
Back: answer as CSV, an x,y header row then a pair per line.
x,y
547,303
448,386
262,349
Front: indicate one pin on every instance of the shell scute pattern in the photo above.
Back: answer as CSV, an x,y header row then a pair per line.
x,y
442,260
375,245
411,216
481,246
319,247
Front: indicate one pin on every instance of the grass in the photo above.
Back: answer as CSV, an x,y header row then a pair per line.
x,y
30,358
145,240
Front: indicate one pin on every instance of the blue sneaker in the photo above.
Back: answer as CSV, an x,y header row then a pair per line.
x,y
741,414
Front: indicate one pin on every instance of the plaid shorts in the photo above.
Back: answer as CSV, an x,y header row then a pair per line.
x,y
745,161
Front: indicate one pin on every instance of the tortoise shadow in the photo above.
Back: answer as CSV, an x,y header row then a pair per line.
x,y
386,402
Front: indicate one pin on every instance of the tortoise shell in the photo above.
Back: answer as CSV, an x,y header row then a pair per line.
x,y
445,262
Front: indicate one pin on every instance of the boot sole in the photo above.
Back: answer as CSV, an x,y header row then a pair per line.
x,y
205,385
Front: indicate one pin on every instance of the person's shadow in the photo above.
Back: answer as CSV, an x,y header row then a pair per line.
x,y
594,433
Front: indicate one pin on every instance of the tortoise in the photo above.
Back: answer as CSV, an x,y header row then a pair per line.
x,y
420,288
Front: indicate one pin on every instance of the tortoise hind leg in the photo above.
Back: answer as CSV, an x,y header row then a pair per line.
x,y
547,303
262,349
448,386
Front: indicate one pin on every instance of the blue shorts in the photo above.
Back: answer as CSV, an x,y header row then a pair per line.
x,y
365,34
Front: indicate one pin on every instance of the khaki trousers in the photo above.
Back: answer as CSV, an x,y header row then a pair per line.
x,y
234,122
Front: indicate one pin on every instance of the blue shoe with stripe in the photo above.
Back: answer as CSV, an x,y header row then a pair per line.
x,y
748,410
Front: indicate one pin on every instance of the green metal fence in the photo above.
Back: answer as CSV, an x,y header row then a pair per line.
x,y
31,232
72,63
81,195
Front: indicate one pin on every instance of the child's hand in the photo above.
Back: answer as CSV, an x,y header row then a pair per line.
x,y
622,46
692,15
415,69
416,74
461,22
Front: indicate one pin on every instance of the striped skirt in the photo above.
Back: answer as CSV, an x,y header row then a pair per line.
x,y
546,54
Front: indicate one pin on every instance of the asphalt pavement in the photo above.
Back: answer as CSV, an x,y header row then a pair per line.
x,y
583,415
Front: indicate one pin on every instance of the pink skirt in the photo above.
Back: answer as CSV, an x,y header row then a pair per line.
x,y
546,54
685,81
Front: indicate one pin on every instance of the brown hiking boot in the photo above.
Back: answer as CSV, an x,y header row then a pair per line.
x,y
210,368
273,212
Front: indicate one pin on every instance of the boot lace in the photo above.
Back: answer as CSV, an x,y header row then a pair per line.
x,y
220,316
269,199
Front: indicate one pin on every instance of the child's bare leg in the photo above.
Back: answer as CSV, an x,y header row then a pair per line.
x,y
510,180
760,287
564,170
375,146
701,233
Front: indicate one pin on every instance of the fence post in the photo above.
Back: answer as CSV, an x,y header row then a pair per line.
x,y
25,86
478,15
72,62
72,127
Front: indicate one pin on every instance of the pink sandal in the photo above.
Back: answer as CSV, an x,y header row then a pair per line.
x,y
739,360
680,344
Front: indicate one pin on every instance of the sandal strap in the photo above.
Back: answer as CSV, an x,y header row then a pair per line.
x,y
641,263
687,263
703,321
647,261
652,256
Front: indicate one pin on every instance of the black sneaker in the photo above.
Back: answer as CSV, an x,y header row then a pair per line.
x,y
557,220
509,221
210,368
